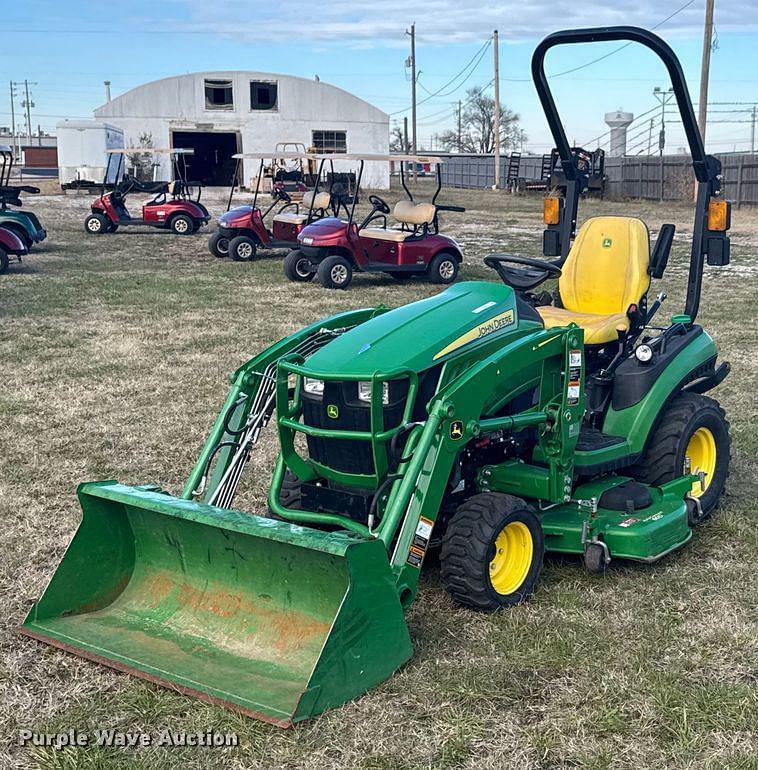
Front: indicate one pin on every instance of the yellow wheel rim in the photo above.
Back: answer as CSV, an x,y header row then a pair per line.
x,y
512,559
701,452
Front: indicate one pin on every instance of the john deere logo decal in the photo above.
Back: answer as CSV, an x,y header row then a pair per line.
x,y
456,430
333,411
607,243
484,329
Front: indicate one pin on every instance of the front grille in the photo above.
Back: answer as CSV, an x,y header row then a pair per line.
x,y
347,455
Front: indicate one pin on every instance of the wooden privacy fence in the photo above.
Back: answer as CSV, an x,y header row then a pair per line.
x,y
667,177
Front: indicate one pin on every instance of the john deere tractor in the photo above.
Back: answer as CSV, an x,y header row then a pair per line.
x,y
492,420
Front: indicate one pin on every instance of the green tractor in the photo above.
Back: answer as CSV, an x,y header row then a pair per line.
x,y
24,224
482,420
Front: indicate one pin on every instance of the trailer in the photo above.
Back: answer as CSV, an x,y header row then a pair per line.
x,y
82,151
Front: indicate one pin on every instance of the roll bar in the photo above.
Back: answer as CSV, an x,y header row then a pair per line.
x,y
557,242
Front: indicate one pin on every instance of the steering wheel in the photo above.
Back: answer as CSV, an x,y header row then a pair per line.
x,y
283,196
534,272
379,204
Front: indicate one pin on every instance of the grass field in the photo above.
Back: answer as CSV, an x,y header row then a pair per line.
x,y
114,356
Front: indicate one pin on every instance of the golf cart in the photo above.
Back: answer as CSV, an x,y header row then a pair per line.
x,y
243,230
23,223
172,206
333,248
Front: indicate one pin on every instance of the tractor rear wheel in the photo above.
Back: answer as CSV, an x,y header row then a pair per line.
x,y
693,431
492,552
298,267
335,273
242,248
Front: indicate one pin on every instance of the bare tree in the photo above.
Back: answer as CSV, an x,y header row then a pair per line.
x,y
478,126
397,140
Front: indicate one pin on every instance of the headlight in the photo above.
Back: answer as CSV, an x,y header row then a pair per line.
x,y
307,241
315,387
643,353
364,392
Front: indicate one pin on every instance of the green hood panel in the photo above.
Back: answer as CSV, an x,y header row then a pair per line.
x,y
418,335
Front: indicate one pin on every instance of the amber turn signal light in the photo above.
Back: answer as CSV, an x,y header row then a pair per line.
x,y
719,215
551,211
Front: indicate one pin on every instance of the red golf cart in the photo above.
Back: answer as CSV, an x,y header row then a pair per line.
x,y
243,230
171,208
334,248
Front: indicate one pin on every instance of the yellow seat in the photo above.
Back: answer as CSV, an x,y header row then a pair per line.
x,y
605,272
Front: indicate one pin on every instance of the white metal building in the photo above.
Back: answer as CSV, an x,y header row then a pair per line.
x,y
221,113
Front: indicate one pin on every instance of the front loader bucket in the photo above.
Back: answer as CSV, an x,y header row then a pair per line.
x,y
276,620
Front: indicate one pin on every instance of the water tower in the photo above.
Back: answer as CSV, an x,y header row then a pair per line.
x,y
618,121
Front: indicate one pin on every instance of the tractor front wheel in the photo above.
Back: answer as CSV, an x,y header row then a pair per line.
x,y
492,552
692,432
335,273
298,267
96,224
242,248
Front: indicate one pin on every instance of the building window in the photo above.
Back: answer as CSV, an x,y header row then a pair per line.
x,y
219,95
262,95
330,141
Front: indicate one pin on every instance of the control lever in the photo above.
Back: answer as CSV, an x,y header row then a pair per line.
x,y
655,307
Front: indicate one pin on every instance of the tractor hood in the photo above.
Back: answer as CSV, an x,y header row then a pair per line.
x,y
421,334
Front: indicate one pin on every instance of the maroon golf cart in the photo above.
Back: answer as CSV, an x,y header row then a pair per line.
x,y
243,230
334,248
172,206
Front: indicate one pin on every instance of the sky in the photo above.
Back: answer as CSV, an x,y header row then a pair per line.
x,y
66,50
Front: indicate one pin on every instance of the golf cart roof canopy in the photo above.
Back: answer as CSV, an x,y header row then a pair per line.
x,y
277,155
153,150
431,159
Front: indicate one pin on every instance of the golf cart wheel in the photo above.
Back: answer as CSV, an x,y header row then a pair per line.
x,y
692,430
443,268
492,552
242,248
298,267
181,224
112,227
218,244
4,262
335,273
96,224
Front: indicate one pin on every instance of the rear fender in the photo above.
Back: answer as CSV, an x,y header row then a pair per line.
x,y
11,242
637,421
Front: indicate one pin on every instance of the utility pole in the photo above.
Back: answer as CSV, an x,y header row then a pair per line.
x,y
496,43
13,115
650,138
412,33
663,97
705,67
27,104
405,135
753,117
460,132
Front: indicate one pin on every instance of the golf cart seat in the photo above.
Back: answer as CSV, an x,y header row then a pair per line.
x,y
407,213
605,273
319,201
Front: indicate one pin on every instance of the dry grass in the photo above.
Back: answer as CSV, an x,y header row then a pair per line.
x,y
115,353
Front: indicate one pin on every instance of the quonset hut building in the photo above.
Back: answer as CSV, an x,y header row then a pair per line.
x,y
222,113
